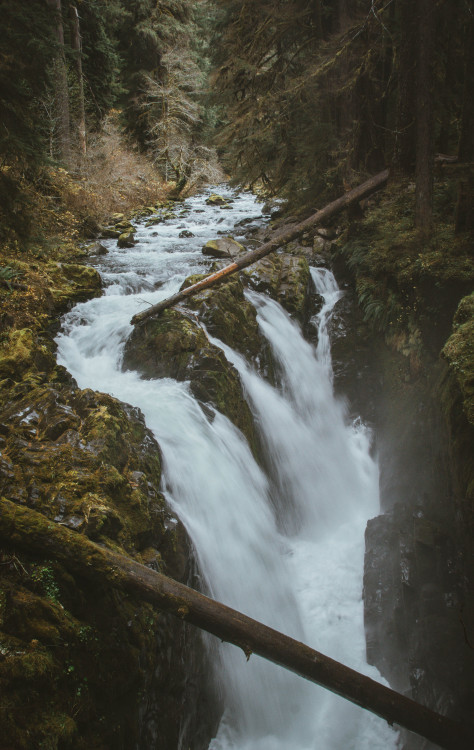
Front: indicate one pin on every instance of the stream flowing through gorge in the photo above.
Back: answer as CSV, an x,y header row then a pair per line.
x,y
285,545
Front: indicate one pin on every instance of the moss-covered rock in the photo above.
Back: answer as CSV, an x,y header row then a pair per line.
x,y
126,239
226,247
80,665
174,345
284,277
459,353
87,462
72,282
216,200
229,316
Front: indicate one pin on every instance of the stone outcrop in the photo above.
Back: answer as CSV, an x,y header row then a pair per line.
x,y
418,580
94,668
226,247
175,345
284,277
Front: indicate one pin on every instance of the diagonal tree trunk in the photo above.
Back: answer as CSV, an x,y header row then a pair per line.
x,y
362,191
30,530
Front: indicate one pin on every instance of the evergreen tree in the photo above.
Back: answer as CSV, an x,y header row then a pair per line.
x,y
27,42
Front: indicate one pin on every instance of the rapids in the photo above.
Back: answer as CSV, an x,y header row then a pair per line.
x,y
283,544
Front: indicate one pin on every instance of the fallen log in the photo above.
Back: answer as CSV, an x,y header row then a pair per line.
x,y
33,532
362,191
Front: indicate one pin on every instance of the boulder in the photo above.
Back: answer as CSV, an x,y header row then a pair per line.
x,y
109,233
185,233
229,316
216,200
97,248
284,277
124,226
175,346
155,220
226,247
127,239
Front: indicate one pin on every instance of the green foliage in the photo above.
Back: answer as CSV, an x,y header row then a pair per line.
x,y
288,74
26,48
101,61
8,274
44,576
459,353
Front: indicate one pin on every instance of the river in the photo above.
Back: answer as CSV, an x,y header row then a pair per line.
x,y
284,544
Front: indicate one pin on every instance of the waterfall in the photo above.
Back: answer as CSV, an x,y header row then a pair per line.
x,y
284,543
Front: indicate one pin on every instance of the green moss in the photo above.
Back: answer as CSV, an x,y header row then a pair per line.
x,y
459,353
229,316
284,277
16,353
404,282
174,345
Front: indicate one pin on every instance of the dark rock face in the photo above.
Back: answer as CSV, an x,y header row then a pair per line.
x,y
418,610
82,665
93,667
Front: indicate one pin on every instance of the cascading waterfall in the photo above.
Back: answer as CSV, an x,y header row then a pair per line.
x,y
284,546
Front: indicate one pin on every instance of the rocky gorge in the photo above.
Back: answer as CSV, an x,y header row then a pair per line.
x,y
87,461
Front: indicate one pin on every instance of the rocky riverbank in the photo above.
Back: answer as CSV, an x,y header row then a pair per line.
x,y
99,670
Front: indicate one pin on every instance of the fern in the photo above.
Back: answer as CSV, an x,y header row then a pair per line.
x,y
8,274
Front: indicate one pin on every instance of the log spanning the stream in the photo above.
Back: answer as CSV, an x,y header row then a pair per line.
x,y
30,530
357,194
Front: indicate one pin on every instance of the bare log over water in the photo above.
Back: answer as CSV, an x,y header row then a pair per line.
x,y
30,530
362,191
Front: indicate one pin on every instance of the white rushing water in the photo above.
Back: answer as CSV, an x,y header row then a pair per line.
x,y
286,546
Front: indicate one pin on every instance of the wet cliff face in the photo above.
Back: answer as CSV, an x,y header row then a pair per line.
x,y
81,665
418,566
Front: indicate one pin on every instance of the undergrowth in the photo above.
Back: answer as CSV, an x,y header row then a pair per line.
x,y
400,278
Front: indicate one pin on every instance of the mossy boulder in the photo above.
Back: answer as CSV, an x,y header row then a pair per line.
x,y
110,233
72,282
23,354
94,668
457,398
175,346
229,316
87,462
284,277
216,200
226,247
127,239
459,353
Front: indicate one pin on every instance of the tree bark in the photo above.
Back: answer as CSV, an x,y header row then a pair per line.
x,y
405,138
465,204
30,530
362,191
424,118
77,47
61,87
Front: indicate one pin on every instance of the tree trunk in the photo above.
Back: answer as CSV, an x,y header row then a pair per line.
x,y
77,47
30,530
405,138
424,118
61,87
465,204
362,191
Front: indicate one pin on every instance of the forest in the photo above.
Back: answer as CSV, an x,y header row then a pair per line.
x,y
115,111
